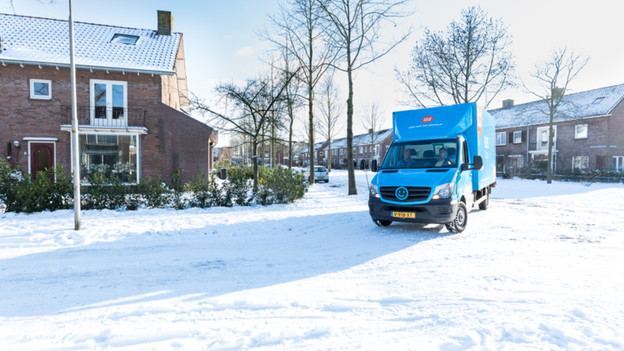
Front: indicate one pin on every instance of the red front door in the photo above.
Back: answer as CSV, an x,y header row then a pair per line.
x,y
41,157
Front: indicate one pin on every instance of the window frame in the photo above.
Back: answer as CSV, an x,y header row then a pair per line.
x,y
109,119
576,132
617,163
539,132
40,97
97,136
121,38
499,136
517,137
582,159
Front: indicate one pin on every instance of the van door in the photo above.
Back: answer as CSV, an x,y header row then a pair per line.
x,y
464,184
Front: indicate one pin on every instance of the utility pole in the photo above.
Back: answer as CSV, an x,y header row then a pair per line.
x,y
74,135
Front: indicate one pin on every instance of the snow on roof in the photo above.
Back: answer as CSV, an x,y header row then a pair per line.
x,y
316,146
45,41
363,139
591,103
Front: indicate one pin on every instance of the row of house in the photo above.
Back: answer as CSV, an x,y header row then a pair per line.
x,y
131,87
588,133
366,147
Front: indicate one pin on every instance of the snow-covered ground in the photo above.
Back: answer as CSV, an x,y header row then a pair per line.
x,y
542,268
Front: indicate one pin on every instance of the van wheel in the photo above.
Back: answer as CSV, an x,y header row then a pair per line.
x,y
382,223
458,225
485,203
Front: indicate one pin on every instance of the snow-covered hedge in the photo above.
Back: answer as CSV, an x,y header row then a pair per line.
x,y
24,194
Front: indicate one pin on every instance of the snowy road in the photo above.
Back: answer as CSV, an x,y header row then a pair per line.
x,y
543,268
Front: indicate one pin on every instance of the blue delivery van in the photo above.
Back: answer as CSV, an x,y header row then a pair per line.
x,y
441,164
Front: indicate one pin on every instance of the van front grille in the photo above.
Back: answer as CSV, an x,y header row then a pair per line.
x,y
414,193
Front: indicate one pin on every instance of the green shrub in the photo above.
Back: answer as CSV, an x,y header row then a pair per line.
x,y
280,185
200,190
25,194
155,193
176,187
239,178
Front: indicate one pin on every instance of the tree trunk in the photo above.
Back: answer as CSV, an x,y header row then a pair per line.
x,y
550,148
351,171
311,133
310,102
329,160
290,134
254,159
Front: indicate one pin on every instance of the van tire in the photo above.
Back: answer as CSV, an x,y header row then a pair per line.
x,y
382,223
458,224
485,203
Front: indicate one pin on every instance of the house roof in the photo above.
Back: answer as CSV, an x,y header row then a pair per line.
x,y
363,139
317,146
45,41
586,104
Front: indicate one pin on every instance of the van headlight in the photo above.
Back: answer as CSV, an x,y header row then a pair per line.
x,y
374,191
443,191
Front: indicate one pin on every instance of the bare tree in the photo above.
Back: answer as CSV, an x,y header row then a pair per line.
x,y
330,110
372,122
300,25
553,77
292,98
353,28
468,61
253,106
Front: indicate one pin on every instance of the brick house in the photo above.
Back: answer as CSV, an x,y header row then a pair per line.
x,y
589,132
319,149
131,86
362,149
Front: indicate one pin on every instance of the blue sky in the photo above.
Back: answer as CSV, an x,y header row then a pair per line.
x,y
221,41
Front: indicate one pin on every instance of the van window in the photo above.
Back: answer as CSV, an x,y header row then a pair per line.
x,y
422,154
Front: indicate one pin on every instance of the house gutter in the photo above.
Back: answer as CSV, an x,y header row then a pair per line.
x,y
97,68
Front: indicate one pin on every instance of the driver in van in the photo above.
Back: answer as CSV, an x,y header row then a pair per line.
x,y
407,158
444,159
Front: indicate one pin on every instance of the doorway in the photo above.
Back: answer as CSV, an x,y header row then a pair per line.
x,y
42,157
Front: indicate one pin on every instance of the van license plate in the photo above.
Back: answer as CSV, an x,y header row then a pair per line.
x,y
404,214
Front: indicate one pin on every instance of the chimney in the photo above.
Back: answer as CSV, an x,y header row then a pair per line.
x,y
508,103
165,22
558,92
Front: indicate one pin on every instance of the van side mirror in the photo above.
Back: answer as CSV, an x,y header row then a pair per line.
x,y
477,165
478,162
374,167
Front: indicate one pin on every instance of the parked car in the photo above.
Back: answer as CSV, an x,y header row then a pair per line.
x,y
320,174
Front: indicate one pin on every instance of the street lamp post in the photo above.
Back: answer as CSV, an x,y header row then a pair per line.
x,y
74,135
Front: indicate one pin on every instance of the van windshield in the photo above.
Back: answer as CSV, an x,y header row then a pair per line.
x,y
422,154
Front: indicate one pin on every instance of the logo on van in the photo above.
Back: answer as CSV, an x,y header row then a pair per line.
x,y
427,119
401,193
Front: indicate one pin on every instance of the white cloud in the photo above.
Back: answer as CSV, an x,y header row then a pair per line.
x,y
246,51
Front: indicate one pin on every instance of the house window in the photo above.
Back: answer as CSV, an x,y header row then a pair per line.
x,y
617,163
517,137
501,138
580,162
580,131
124,39
40,89
113,155
598,100
109,102
542,138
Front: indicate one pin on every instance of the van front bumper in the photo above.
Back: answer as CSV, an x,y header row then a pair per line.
x,y
437,211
